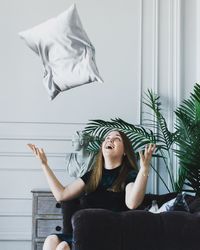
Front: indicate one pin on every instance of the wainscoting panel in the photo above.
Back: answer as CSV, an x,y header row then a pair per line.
x,y
20,183
18,245
26,161
15,228
16,207
38,130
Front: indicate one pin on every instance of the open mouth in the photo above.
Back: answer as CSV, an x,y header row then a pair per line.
x,y
109,147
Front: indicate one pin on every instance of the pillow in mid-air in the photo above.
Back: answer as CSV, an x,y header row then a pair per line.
x,y
66,52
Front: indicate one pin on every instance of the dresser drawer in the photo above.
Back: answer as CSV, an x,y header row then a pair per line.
x,y
47,227
48,205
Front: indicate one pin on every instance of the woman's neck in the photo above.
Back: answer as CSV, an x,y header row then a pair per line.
x,y
112,163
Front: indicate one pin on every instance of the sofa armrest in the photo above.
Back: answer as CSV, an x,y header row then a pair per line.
x,y
68,209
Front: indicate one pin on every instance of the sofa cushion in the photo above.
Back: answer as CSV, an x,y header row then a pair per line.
x,y
195,206
160,199
166,206
180,203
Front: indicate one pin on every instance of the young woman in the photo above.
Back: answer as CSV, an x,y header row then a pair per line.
x,y
114,183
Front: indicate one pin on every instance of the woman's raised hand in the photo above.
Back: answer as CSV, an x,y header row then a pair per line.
x,y
39,153
145,157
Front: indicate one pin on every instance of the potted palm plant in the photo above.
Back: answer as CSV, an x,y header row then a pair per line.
x,y
185,137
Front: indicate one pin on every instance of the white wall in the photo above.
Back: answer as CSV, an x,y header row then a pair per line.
x,y
139,44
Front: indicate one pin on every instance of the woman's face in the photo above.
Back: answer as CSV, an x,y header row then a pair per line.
x,y
113,145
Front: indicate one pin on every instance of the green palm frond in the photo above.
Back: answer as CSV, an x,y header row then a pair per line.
x,y
155,130
188,125
152,100
190,108
189,159
138,136
94,146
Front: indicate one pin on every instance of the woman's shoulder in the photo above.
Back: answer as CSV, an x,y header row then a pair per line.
x,y
131,176
86,176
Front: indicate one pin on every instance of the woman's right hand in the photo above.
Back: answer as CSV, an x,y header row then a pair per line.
x,y
60,192
39,153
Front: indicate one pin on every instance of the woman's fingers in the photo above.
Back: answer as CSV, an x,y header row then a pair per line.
x,y
151,148
141,155
33,148
146,149
145,157
30,146
39,153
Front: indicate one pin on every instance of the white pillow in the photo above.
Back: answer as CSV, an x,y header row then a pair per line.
x,y
67,54
166,206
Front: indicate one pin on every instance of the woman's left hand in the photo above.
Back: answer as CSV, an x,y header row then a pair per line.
x,y
145,157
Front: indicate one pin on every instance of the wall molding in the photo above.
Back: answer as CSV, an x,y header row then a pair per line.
x,y
173,32
17,199
33,139
15,236
15,215
198,41
174,69
42,123
155,79
141,60
25,154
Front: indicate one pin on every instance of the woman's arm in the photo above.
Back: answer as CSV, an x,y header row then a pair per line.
x,y
60,192
135,191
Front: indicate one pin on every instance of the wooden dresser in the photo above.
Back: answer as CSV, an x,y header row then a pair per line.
x,y
46,217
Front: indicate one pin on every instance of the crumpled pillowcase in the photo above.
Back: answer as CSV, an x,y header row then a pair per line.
x,y
180,204
177,204
66,52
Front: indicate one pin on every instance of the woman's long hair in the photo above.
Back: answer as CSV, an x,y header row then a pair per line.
x,y
128,163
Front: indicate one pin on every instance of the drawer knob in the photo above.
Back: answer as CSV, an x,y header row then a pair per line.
x,y
58,228
58,205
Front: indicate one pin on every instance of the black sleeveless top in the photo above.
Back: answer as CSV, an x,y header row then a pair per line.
x,y
101,197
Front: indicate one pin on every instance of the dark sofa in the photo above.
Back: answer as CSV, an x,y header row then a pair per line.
x,y
100,229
